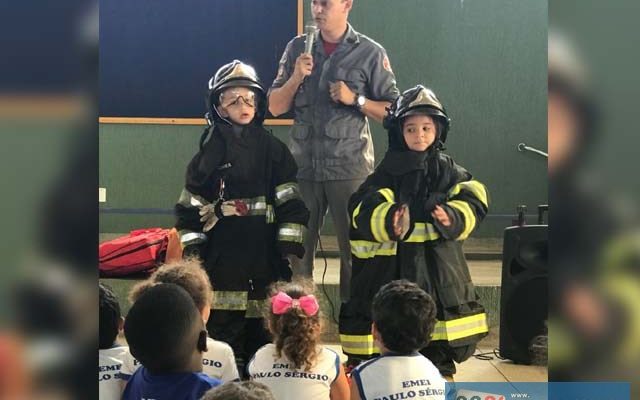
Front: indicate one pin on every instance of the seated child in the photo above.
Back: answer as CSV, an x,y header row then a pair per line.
x,y
409,220
240,210
166,334
110,355
403,319
295,366
218,361
247,390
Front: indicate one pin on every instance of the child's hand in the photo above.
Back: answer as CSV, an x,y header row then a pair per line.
x,y
401,221
440,215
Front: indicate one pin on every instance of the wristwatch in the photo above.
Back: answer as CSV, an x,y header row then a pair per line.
x,y
359,101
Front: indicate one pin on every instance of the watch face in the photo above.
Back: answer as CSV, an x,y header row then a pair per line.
x,y
361,100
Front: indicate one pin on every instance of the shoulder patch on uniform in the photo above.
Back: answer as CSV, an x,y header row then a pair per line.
x,y
386,64
280,71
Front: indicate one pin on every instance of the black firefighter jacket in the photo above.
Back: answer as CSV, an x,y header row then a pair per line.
x,y
429,254
243,254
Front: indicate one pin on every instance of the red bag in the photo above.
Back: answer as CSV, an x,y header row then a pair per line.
x,y
139,251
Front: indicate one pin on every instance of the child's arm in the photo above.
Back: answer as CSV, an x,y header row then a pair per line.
x,y
457,203
355,395
355,385
340,386
375,215
466,206
291,214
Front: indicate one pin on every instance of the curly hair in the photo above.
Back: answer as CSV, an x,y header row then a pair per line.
x,y
404,315
187,274
295,334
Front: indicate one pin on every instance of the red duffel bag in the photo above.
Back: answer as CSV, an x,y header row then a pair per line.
x,y
139,251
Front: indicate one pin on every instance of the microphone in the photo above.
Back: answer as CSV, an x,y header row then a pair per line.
x,y
310,31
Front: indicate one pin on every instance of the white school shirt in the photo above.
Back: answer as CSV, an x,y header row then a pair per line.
x,y
391,376
287,383
110,381
217,362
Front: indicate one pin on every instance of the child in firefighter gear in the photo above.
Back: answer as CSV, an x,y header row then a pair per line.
x,y
240,210
408,221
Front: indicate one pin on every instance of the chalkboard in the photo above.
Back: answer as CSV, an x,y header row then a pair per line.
x,y
156,56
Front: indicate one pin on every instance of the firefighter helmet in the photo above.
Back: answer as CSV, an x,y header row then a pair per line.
x,y
235,74
417,100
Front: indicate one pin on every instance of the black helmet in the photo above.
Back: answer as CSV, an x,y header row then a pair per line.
x,y
417,100
235,74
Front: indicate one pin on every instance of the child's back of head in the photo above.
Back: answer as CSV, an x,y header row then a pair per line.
x,y
247,390
165,331
293,319
110,319
404,316
188,274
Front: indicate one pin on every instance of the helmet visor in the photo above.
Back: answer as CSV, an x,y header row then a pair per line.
x,y
236,96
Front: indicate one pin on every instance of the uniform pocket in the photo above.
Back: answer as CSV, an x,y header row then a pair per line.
x,y
300,132
348,123
341,129
355,79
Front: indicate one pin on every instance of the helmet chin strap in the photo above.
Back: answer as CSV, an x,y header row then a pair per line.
x,y
221,117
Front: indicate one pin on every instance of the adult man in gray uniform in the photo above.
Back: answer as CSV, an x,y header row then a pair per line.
x,y
346,78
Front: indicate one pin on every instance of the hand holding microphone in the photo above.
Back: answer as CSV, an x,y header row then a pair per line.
x,y
304,62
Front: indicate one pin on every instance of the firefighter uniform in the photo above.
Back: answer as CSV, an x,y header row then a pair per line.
x,y
242,253
429,253
331,142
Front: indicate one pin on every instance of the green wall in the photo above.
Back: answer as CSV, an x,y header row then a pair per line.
x,y
486,60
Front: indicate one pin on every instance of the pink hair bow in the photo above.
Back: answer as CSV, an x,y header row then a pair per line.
x,y
282,302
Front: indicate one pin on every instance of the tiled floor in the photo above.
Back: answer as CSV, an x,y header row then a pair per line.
x,y
496,370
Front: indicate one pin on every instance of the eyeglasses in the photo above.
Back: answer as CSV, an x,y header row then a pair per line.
x,y
233,98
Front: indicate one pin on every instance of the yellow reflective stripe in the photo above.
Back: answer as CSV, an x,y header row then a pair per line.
x,y
358,344
365,249
259,206
229,300
469,217
290,232
271,215
356,212
377,222
254,308
623,288
256,205
287,191
460,328
423,232
387,194
475,187
563,346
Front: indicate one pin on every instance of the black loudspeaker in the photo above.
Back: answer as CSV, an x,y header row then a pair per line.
x,y
524,290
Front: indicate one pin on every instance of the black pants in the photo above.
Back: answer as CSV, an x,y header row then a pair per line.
x,y
244,335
